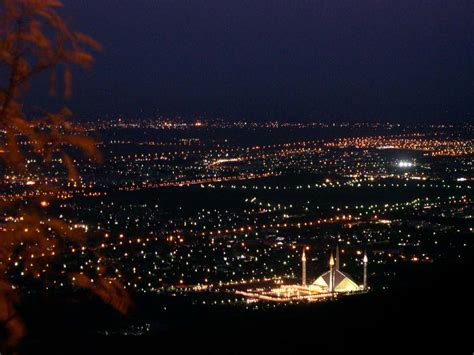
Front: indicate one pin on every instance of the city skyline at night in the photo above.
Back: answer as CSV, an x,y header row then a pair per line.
x,y
236,177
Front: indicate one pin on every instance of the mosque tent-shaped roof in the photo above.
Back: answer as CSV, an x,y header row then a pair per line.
x,y
342,282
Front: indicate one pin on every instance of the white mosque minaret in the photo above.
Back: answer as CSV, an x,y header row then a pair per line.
x,y
365,260
303,269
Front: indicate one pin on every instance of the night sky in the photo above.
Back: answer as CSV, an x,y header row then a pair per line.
x,y
279,59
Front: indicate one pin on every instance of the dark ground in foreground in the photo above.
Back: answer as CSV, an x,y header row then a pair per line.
x,y
429,310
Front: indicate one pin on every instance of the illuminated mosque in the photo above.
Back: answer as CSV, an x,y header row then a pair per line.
x,y
330,284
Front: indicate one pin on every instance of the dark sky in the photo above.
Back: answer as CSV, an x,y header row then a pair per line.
x,y
282,59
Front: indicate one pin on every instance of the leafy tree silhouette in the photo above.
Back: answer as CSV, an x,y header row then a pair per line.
x,y
34,39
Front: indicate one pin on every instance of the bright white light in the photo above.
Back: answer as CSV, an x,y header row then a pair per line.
x,y
405,164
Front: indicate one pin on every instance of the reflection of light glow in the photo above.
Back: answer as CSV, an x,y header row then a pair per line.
x,y
223,161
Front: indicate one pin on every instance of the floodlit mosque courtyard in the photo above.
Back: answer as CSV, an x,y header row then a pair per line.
x,y
330,284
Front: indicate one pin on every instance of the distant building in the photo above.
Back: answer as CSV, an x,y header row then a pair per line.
x,y
335,280
328,285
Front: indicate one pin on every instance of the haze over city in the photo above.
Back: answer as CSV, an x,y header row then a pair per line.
x,y
288,60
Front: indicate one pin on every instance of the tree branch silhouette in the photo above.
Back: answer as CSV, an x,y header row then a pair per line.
x,y
35,40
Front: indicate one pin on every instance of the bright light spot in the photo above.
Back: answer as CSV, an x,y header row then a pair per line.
x,y
405,164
